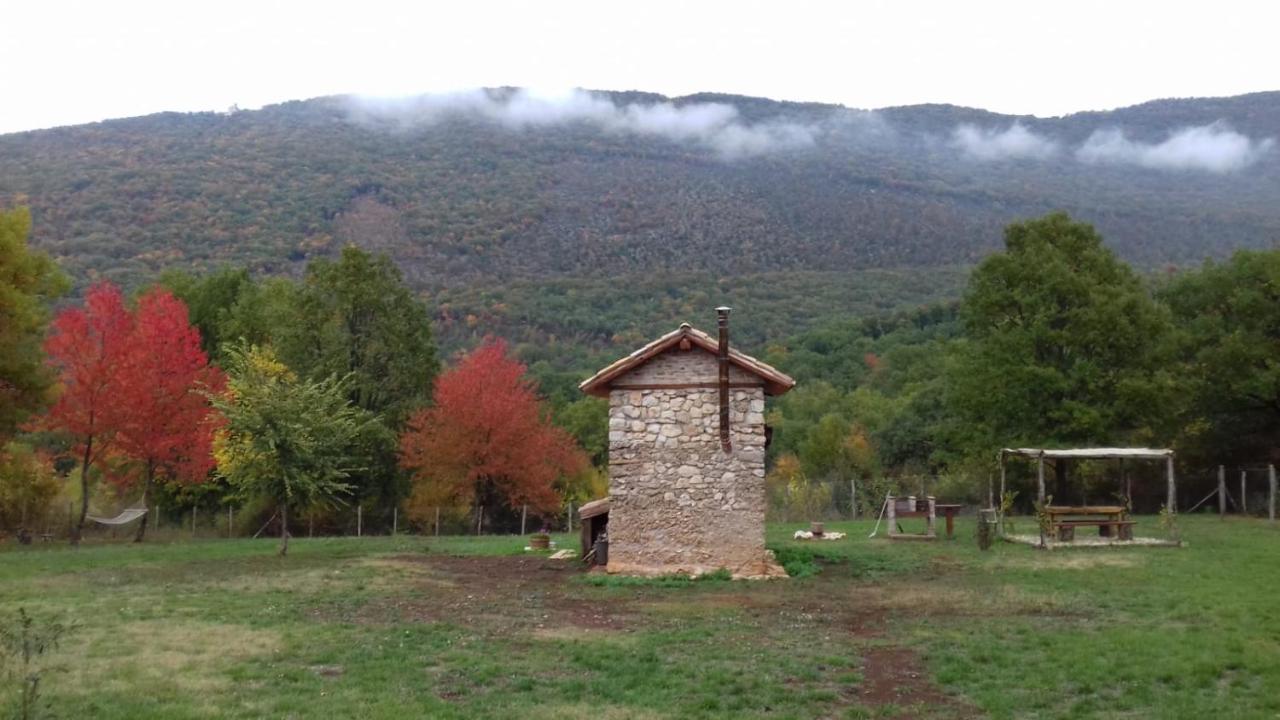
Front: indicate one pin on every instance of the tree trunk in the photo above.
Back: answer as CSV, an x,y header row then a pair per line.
x,y
77,530
284,529
146,502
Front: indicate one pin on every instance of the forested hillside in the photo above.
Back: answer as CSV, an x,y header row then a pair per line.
x,y
517,188
600,215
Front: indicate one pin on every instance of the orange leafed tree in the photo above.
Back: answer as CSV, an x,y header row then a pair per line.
x,y
487,439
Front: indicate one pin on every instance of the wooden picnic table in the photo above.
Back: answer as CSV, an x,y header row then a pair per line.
x,y
1064,519
905,508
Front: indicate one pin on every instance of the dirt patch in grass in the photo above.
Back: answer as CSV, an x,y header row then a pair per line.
x,y
504,594
896,677
528,599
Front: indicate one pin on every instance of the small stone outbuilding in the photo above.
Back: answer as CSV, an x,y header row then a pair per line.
x,y
687,442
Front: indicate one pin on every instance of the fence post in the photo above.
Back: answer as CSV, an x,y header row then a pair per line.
x,y
395,520
437,521
193,521
1222,491
1244,504
231,519
1271,504
853,497
524,516
359,519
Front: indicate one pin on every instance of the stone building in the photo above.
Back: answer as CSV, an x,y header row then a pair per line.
x,y
686,456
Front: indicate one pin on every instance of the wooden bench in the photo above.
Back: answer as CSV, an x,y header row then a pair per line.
x,y
1123,529
1109,519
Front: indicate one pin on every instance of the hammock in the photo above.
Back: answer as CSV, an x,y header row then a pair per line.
x,y
127,515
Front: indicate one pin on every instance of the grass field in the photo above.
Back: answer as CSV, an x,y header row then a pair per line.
x,y
475,628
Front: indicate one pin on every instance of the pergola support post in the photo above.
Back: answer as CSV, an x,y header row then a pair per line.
x,y
1171,504
1040,479
1000,514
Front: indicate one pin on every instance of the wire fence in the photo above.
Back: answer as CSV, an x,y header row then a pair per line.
x,y
1248,490
1242,491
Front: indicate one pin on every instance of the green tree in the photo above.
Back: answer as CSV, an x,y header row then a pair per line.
x,y
292,440
587,420
1065,346
28,281
1228,319
210,300
356,317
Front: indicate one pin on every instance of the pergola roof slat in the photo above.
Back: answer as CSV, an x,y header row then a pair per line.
x,y
1092,453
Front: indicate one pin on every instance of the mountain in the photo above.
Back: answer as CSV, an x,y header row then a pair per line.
x,y
476,193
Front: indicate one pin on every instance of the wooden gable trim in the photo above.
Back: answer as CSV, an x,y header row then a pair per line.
x,y
775,382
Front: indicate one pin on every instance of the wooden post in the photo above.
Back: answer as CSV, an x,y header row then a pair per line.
x,y
1244,504
437,521
359,519
1222,491
479,518
395,520
570,516
1040,479
891,512
1171,504
1002,478
1271,503
853,497
524,517
193,521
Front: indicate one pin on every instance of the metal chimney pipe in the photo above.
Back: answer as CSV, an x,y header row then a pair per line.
x,y
722,321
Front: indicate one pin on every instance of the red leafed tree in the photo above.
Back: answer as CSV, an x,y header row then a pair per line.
x,y
165,423
487,438
132,389
87,346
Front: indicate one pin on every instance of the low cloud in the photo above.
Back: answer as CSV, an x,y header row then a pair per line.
x,y
1013,143
1213,148
713,125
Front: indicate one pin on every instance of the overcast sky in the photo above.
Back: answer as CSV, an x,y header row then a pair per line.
x,y
71,62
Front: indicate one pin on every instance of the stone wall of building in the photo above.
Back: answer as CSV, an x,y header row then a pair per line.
x,y
679,504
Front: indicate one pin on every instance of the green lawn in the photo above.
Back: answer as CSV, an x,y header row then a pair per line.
x,y
476,628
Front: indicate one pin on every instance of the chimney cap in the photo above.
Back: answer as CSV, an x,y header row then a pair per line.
x,y
723,309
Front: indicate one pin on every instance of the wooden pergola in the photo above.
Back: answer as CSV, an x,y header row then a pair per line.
x,y
1105,453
